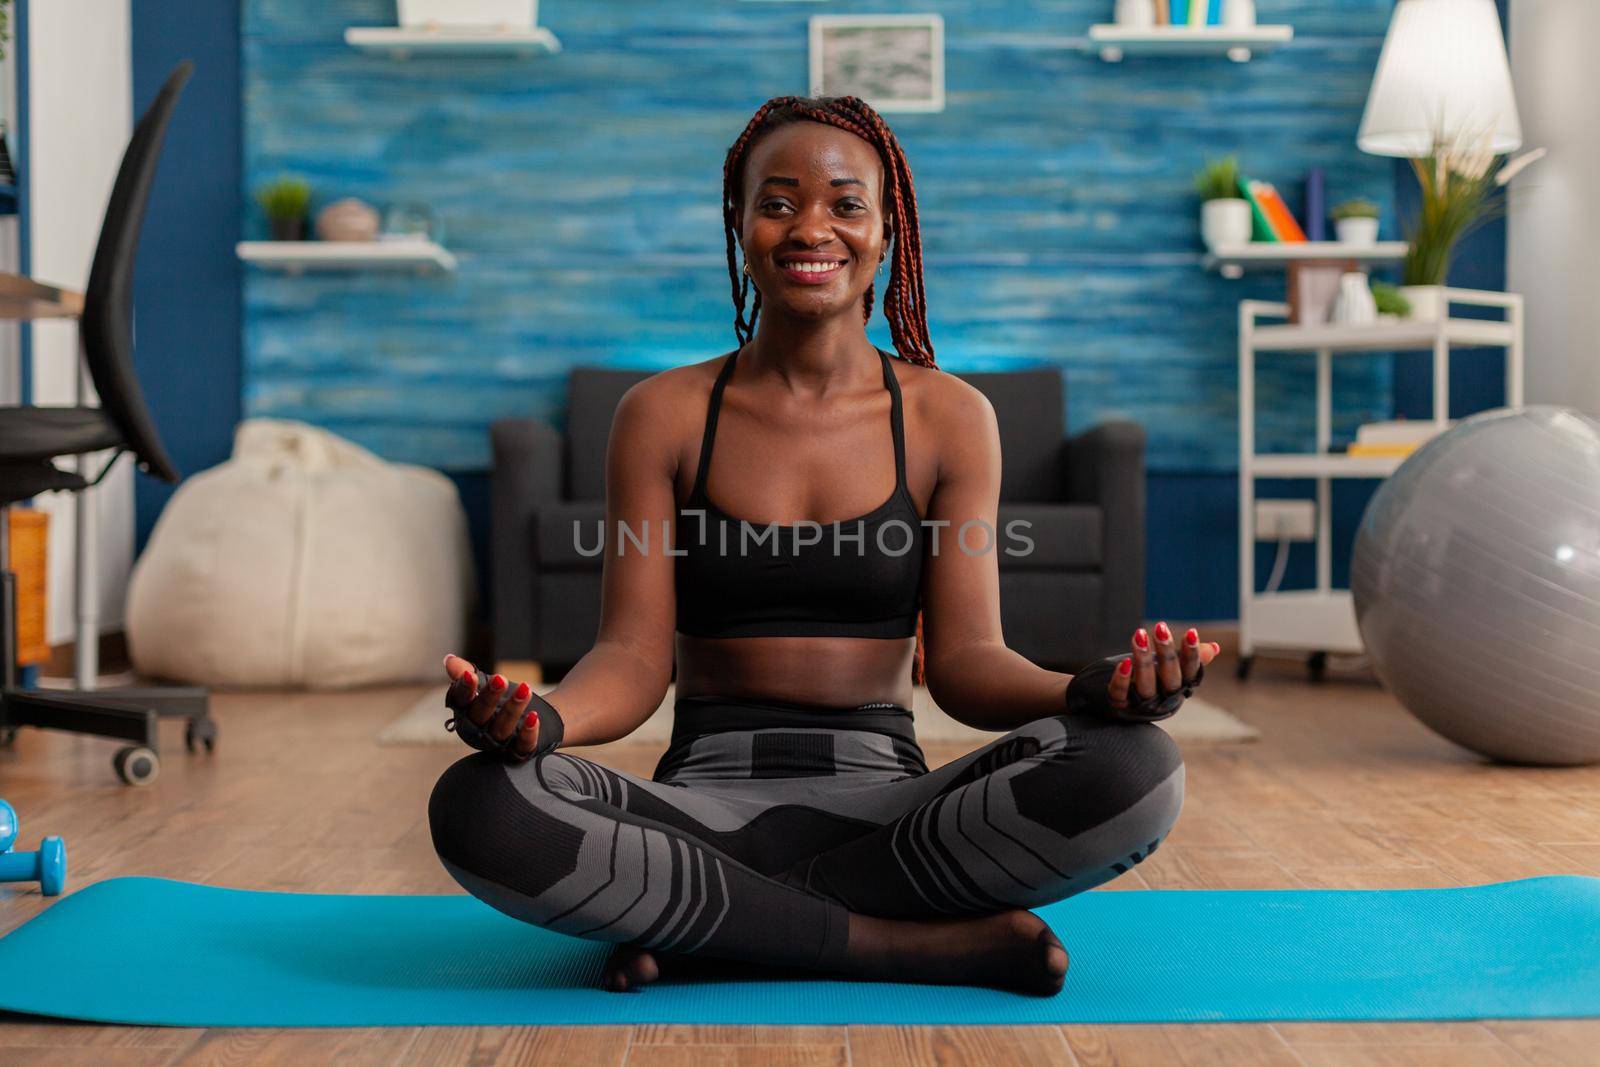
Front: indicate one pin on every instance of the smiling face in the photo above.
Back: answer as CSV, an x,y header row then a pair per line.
x,y
812,221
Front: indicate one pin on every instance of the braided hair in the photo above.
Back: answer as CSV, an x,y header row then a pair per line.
x,y
905,302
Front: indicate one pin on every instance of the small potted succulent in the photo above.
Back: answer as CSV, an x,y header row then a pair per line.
x,y
1224,215
1390,301
1355,222
285,202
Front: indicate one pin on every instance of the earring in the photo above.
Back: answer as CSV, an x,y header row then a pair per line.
x,y
747,270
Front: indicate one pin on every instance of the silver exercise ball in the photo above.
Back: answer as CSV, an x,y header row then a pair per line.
x,y
1476,582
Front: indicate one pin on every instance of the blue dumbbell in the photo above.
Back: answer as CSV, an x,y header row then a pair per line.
x,y
48,866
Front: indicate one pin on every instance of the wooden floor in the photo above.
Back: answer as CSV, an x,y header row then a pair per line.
x,y
1344,790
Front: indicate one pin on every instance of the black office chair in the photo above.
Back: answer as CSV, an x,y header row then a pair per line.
x,y
31,437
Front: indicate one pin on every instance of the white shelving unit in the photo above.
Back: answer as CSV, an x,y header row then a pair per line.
x,y
295,257
1323,619
1239,44
1233,260
402,42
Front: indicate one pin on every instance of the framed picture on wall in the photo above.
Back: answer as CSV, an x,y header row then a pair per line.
x,y
893,62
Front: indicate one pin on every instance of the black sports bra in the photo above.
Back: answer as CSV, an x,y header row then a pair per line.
x,y
859,577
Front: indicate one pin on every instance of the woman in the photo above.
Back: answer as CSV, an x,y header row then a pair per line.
x,y
793,821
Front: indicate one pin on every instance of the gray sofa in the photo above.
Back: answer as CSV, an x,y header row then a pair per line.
x,y
1077,596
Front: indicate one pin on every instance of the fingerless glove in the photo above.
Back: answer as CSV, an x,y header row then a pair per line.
x,y
551,729
1089,693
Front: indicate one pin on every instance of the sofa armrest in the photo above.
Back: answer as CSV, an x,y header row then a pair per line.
x,y
527,473
1104,465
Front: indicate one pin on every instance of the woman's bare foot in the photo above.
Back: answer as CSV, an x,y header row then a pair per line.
x,y
629,967
1010,949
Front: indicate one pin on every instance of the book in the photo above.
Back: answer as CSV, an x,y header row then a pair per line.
x,y
1395,432
1179,12
1279,217
1214,13
1381,450
1197,12
1163,13
1260,228
1316,205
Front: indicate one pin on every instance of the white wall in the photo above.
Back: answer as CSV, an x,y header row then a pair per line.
x,y
1553,232
79,118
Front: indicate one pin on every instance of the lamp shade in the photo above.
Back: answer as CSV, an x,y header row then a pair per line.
x,y
1442,74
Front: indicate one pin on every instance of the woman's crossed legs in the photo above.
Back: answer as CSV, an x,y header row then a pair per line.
x,y
818,848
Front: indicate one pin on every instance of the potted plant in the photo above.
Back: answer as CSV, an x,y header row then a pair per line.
x,y
285,202
1462,185
1390,301
1355,222
1224,214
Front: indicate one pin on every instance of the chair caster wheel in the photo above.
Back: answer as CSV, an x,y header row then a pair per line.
x,y
200,732
1317,666
137,765
1242,670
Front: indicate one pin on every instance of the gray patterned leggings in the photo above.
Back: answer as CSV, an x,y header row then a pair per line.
x,y
766,823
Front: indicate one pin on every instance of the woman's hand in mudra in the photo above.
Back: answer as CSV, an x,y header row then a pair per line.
x,y
1148,684
497,708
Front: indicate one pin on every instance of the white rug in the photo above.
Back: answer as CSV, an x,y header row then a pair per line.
x,y
1198,721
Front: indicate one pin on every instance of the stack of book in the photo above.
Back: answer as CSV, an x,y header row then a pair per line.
x,y
1273,219
1397,437
1188,12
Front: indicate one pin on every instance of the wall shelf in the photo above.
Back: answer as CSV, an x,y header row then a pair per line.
x,y
1405,335
1233,260
297,256
1239,44
403,42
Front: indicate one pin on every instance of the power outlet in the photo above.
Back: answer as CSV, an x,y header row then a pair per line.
x,y
1292,520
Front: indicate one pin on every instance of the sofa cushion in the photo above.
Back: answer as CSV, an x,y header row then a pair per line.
x,y
593,394
1064,536
566,533
1030,406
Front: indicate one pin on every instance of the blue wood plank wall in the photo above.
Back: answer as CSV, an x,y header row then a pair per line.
x,y
186,287
581,191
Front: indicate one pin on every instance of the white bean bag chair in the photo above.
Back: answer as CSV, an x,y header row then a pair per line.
x,y
303,561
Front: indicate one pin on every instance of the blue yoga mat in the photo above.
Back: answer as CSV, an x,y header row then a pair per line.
x,y
148,950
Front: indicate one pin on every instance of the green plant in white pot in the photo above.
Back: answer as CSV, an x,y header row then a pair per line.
x,y
1355,222
1224,214
1462,183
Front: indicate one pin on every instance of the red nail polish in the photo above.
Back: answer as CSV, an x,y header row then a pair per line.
x,y
523,691
1141,638
1125,667
498,682
1192,638
530,719
467,680
1162,633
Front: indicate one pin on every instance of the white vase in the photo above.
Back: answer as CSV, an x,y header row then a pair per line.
x,y
1354,306
1238,14
1135,14
1356,231
1427,302
1225,223
476,14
